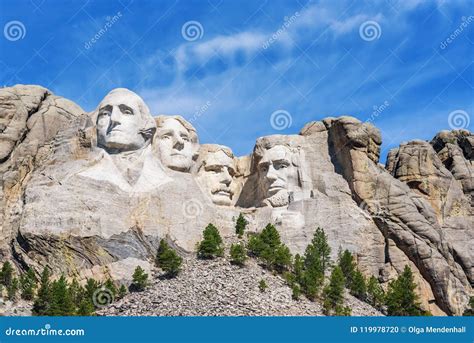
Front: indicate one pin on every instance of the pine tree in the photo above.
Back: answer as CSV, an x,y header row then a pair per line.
x,y
347,265
61,302
6,275
375,293
85,308
268,247
334,293
262,285
401,298
211,245
238,254
358,287
12,289
282,259
298,268
110,285
296,292
168,260
470,309
28,283
240,225
43,298
122,291
90,288
140,280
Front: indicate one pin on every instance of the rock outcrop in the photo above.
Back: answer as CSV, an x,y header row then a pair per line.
x,y
92,194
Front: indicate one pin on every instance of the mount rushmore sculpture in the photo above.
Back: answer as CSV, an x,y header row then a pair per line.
x,y
92,194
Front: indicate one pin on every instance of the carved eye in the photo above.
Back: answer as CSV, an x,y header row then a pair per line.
x,y
127,111
264,168
104,113
281,166
185,138
166,137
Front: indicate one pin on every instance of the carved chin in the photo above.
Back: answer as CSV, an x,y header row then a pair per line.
x,y
179,163
279,199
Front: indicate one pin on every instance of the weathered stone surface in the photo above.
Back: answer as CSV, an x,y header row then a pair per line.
x,y
92,194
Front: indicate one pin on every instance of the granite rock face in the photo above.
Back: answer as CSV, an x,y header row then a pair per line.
x,y
92,194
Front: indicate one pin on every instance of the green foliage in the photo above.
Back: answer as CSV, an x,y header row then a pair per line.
x,y
122,291
140,280
401,299
85,308
262,285
333,294
296,292
470,309
240,225
12,289
43,298
168,260
28,283
358,286
61,301
268,247
298,268
375,293
6,274
110,285
238,254
347,265
211,245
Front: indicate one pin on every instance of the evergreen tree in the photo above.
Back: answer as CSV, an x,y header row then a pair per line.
x,y
211,245
110,285
316,260
76,291
358,287
140,280
298,268
28,284
238,254
347,265
240,225
90,288
262,285
43,298
6,275
61,302
470,309
334,293
122,291
282,259
401,298
12,289
375,293
85,308
296,292
168,260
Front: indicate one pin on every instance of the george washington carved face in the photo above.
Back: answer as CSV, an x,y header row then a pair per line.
x,y
124,122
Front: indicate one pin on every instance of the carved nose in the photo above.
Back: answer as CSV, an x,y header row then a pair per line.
x,y
271,173
178,144
226,178
115,115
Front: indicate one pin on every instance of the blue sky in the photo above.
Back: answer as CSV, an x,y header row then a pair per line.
x,y
247,59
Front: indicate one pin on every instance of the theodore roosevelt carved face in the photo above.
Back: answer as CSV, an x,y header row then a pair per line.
x,y
124,122
215,168
177,142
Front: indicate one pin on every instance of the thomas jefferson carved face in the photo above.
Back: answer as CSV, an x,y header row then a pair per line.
x,y
124,122
176,143
277,175
215,176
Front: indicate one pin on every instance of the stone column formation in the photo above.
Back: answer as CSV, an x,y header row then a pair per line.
x,y
92,194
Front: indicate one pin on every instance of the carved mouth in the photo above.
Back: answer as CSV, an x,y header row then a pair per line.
x,y
222,192
275,188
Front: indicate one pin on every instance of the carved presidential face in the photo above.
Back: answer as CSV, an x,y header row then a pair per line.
x,y
175,145
120,122
215,177
277,175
